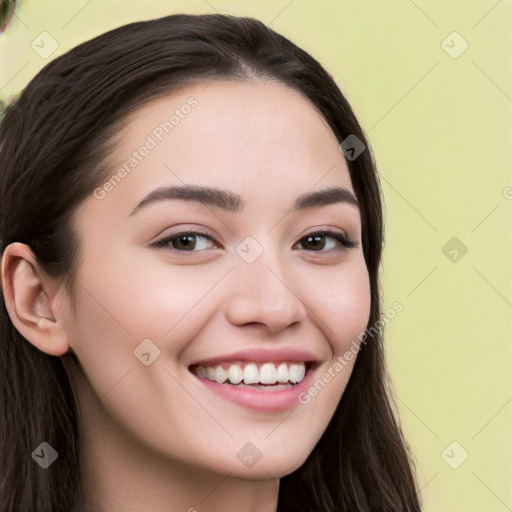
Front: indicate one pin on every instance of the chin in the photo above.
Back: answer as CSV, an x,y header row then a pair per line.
x,y
272,466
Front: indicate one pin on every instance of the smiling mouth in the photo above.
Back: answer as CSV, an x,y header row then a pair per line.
x,y
255,375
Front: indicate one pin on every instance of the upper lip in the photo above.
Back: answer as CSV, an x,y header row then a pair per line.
x,y
262,355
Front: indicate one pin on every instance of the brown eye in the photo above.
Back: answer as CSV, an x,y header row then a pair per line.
x,y
185,241
316,241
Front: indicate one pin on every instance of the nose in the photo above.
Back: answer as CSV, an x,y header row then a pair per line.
x,y
262,295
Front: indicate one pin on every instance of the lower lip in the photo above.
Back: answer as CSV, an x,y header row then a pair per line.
x,y
261,399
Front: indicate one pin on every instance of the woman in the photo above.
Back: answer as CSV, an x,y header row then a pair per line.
x,y
138,374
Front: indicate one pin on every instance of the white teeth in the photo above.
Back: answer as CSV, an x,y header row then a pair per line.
x,y
251,375
296,372
235,374
282,373
221,375
268,373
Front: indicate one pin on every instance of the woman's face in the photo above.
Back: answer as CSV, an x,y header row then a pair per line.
x,y
261,292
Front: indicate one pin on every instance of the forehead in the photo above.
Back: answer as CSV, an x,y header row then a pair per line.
x,y
263,141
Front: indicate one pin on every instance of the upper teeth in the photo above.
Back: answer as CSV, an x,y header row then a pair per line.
x,y
267,373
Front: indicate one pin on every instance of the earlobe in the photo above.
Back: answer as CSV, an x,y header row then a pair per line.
x,y
31,300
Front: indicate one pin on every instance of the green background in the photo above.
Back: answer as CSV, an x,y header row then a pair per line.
x,y
440,128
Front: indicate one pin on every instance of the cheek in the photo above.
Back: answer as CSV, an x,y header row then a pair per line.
x,y
118,306
341,303
125,302
134,299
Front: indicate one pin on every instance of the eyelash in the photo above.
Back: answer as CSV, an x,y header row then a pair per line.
x,y
344,240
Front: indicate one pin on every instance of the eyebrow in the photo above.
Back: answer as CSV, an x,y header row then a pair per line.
x,y
232,202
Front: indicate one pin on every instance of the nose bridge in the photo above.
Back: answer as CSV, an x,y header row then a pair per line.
x,y
261,292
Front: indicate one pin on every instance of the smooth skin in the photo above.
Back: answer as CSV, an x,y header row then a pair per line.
x,y
154,437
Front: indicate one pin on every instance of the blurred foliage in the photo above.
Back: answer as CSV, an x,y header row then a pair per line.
x,y
4,105
7,8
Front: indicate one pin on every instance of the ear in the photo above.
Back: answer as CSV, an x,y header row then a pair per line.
x,y
33,300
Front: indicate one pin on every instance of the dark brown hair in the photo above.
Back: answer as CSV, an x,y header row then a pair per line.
x,y
55,139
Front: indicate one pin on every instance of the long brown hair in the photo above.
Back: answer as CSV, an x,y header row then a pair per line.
x,y
54,141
